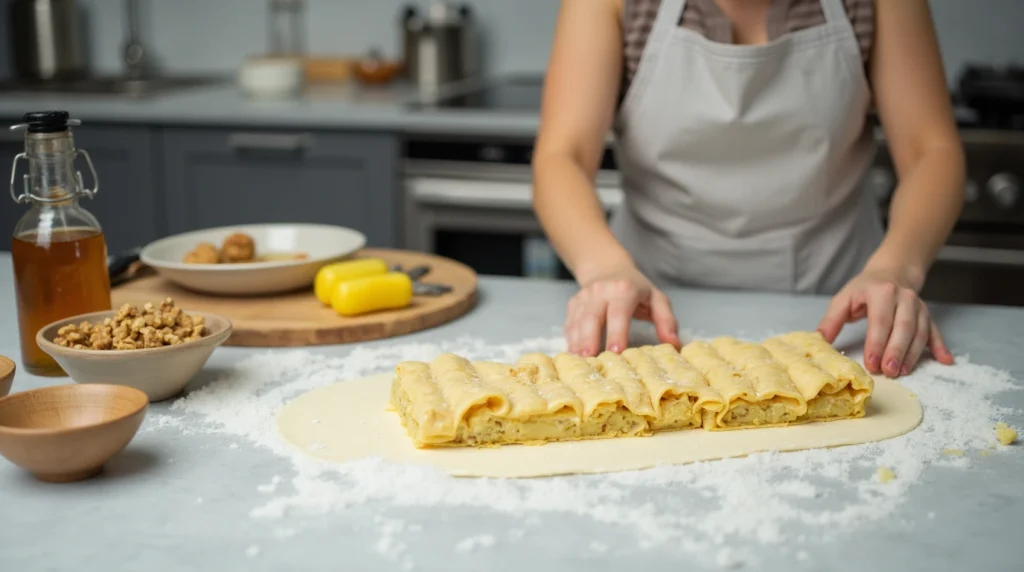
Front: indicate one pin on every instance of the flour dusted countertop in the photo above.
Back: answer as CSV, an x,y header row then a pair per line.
x,y
207,486
348,107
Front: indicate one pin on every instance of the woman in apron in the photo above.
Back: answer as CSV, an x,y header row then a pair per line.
x,y
742,135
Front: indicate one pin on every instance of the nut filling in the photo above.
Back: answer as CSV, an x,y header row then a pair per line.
x,y
135,329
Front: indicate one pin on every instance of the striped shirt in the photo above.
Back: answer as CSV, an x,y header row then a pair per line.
x,y
707,19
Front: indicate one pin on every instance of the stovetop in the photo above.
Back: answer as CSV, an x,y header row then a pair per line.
x,y
516,93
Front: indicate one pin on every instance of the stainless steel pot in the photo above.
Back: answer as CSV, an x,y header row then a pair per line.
x,y
439,47
46,39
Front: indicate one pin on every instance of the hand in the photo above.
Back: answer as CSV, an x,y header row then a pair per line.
x,y
611,299
899,325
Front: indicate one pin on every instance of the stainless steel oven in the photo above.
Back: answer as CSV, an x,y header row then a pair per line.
x,y
469,198
983,260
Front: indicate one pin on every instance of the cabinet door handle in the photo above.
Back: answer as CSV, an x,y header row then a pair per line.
x,y
269,141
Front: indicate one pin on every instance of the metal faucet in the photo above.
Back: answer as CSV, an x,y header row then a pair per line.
x,y
134,52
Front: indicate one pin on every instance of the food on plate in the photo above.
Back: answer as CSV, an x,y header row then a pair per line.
x,y
389,291
133,328
329,276
718,385
203,253
237,248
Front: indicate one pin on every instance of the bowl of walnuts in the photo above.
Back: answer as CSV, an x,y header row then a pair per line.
x,y
253,259
156,348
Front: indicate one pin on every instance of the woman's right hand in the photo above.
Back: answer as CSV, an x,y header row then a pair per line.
x,y
607,302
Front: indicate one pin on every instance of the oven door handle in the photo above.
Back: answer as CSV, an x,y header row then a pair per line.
x,y
470,193
976,255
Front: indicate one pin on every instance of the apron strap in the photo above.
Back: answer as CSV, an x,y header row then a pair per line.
x,y
668,18
835,14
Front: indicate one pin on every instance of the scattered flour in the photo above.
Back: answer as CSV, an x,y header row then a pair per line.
x,y
253,551
282,532
473,542
389,545
598,547
691,508
729,558
271,486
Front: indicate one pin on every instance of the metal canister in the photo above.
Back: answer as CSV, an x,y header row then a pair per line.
x,y
439,47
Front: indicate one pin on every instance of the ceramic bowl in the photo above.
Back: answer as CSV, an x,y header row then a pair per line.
x,y
7,368
160,373
67,433
269,77
321,244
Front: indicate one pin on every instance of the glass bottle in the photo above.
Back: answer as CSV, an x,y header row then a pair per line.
x,y
58,248
285,27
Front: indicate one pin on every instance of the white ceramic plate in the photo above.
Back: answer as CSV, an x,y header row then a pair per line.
x,y
322,244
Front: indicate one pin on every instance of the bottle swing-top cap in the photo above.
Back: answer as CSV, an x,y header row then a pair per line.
x,y
39,124
46,122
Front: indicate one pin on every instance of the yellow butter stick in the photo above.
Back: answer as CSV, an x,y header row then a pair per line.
x,y
388,291
328,277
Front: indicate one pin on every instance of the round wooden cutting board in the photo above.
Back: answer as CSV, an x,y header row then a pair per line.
x,y
299,319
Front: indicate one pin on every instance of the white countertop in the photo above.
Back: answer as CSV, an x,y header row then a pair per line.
x,y
205,487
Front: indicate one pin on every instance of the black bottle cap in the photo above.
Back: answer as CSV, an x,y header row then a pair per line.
x,y
47,121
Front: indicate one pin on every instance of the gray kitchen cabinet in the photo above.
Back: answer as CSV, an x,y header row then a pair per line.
x,y
128,201
219,177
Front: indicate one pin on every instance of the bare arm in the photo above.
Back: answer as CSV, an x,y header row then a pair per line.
x,y
579,101
914,106
915,110
580,94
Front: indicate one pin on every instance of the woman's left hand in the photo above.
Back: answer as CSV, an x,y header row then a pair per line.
x,y
899,325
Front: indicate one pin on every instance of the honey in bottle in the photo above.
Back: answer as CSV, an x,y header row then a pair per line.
x,y
58,248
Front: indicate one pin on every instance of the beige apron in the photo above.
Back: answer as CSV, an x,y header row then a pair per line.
x,y
742,165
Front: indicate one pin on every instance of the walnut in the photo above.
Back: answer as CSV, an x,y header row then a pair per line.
x,y
203,253
132,328
238,247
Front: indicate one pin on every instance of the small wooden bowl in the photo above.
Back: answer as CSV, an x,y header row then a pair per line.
x,y
7,368
66,433
373,72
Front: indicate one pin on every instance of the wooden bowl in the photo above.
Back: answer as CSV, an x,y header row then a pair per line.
x,y
7,368
376,72
67,433
160,373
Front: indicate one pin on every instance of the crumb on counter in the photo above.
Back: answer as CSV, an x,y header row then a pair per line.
x,y
953,452
132,328
885,475
1005,434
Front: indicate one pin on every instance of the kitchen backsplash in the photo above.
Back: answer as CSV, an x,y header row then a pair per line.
x,y
215,35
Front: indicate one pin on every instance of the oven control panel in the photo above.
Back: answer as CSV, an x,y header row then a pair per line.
x,y
994,189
